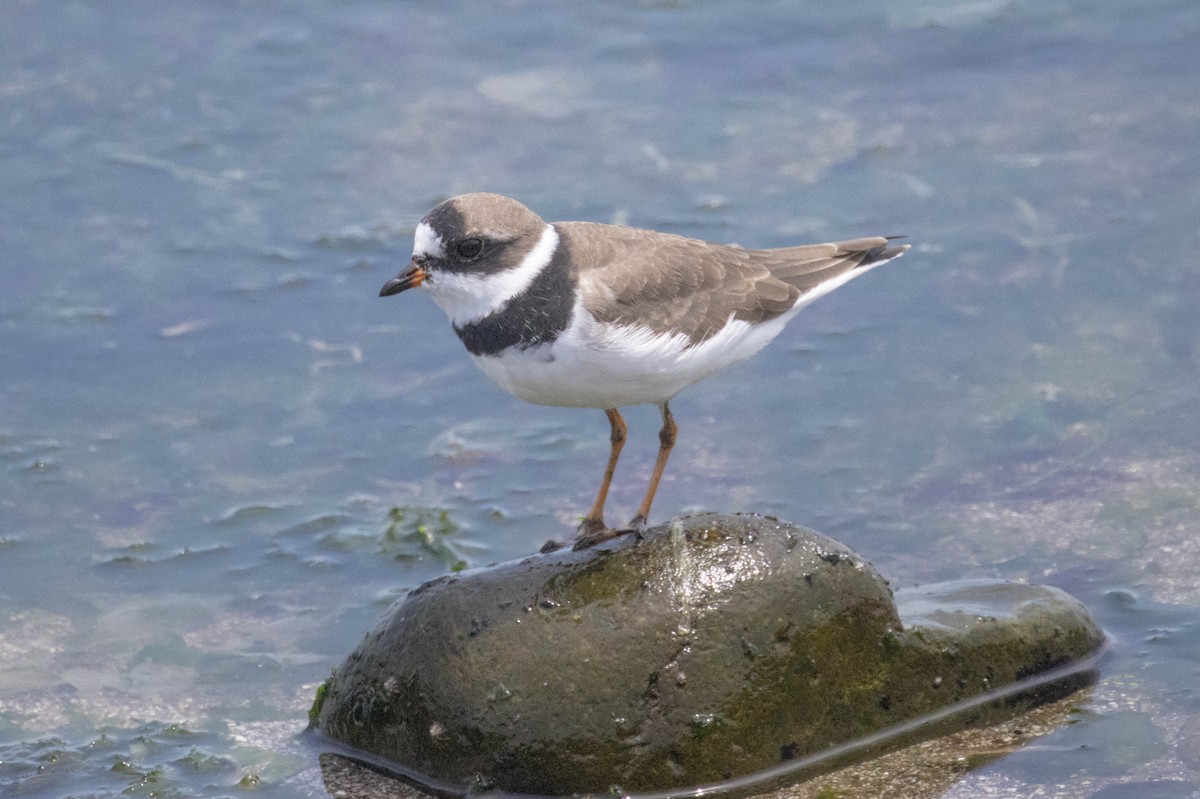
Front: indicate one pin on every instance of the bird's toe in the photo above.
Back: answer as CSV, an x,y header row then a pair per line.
x,y
599,537
551,546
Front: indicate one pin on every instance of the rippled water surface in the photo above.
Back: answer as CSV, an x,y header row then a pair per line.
x,y
207,416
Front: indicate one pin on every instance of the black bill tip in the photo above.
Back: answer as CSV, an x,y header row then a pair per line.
x,y
409,278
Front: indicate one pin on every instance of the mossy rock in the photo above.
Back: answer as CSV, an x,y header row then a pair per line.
x,y
716,647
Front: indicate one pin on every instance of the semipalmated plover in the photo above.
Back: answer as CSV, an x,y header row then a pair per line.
x,y
587,315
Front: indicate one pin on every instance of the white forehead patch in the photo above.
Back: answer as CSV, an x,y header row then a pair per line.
x,y
427,242
469,297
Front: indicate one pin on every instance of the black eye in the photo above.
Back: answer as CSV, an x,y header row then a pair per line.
x,y
468,248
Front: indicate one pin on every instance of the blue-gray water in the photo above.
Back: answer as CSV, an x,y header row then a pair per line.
x,y
206,414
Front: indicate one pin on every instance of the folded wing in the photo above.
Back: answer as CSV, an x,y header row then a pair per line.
x,y
676,285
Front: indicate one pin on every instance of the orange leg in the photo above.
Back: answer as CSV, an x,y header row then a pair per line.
x,y
593,523
666,441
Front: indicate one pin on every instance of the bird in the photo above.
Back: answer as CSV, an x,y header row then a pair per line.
x,y
591,315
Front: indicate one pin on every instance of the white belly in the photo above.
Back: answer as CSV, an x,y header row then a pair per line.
x,y
594,366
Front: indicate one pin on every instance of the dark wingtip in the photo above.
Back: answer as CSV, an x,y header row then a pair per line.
x,y
885,253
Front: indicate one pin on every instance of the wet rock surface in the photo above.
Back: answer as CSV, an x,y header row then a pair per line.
x,y
718,646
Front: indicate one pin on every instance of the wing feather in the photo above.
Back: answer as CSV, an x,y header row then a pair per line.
x,y
676,285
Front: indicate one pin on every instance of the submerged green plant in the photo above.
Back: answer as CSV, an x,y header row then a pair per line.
x,y
429,529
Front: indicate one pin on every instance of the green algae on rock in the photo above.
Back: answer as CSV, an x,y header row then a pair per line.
x,y
718,646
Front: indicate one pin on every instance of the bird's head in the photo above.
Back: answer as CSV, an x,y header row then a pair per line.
x,y
468,250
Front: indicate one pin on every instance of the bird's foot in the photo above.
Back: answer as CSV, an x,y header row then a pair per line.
x,y
637,524
598,537
592,531
587,539
590,526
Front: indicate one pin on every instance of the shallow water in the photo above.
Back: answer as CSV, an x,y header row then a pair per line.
x,y
206,415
